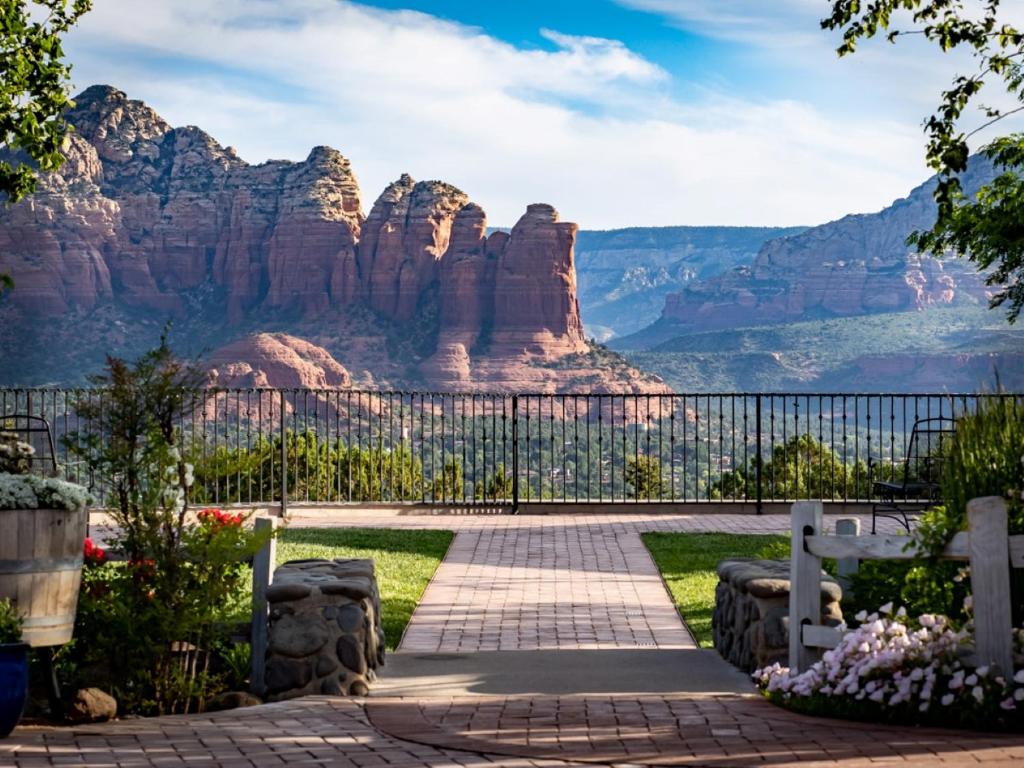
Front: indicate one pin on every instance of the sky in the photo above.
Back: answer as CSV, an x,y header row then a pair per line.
x,y
618,112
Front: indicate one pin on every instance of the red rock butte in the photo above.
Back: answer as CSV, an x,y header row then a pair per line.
x,y
166,222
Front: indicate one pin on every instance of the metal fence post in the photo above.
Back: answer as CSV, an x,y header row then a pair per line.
x,y
757,456
262,573
284,460
515,454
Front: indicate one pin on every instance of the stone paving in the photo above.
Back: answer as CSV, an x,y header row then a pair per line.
x,y
536,588
527,582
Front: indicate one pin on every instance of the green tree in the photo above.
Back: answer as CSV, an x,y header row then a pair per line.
x,y
34,88
645,477
800,468
989,228
449,486
33,92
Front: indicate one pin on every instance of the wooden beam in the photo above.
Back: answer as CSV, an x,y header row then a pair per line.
x,y
881,547
990,582
820,636
262,574
804,582
846,567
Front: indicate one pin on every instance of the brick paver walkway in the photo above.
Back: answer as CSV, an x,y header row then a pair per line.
x,y
530,582
513,732
310,731
521,588
714,730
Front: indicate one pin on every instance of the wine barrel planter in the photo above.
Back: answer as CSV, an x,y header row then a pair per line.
x,y
41,569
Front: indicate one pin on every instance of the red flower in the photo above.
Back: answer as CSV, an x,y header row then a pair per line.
x,y
217,519
94,555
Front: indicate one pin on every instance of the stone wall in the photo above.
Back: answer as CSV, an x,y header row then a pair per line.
x,y
325,631
750,624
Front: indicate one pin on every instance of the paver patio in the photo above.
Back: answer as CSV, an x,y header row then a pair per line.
x,y
526,583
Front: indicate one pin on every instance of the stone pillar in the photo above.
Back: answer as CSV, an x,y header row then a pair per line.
x,y
325,629
750,623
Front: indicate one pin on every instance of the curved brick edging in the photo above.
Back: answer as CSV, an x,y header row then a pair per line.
x,y
676,730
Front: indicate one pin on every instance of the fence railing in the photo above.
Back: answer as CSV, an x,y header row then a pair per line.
x,y
264,446
986,545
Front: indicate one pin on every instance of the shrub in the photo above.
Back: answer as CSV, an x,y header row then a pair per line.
x,y
10,622
645,476
148,624
15,454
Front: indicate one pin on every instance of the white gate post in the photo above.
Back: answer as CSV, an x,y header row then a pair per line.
x,y
990,582
804,583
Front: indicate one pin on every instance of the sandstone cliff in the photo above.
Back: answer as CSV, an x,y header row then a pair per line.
x,y
275,360
149,221
857,265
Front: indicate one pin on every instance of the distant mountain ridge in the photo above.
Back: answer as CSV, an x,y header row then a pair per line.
x,y
624,275
857,265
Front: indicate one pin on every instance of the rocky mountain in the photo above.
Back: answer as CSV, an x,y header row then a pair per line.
x,y
857,265
624,275
146,222
275,360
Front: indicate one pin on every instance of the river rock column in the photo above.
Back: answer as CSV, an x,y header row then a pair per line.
x,y
750,623
325,629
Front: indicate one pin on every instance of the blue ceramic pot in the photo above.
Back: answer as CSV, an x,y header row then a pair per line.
x,y
13,684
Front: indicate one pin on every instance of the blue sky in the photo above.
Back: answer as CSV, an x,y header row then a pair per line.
x,y
618,112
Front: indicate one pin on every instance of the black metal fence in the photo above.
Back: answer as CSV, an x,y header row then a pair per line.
x,y
262,446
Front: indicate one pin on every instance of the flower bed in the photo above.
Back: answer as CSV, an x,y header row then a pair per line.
x,y
892,668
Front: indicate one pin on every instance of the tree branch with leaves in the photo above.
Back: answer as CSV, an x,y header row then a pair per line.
x,y
34,81
987,228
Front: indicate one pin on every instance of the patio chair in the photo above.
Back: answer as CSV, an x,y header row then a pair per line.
x,y
916,488
34,430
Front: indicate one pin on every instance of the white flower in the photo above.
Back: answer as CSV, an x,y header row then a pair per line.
x,y
861,617
978,694
1019,677
886,609
981,671
946,700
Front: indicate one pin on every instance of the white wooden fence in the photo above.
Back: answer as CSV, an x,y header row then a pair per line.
x,y
985,544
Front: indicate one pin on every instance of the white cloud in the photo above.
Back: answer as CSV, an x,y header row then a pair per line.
x,y
589,126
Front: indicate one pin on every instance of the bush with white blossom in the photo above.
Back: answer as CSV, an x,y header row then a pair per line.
x,y
34,492
892,668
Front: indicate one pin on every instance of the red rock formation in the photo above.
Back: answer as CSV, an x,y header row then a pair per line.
x,y
535,306
407,233
148,220
275,360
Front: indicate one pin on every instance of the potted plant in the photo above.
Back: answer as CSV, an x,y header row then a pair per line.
x,y
13,668
47,558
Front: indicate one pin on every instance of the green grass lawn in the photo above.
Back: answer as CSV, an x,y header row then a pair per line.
x,y
687,562
405,561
